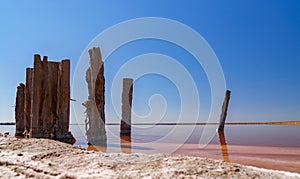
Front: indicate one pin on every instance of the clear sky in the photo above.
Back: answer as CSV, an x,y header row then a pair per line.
x,y
257,43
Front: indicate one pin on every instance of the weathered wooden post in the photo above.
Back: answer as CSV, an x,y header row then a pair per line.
x,y
125,128
51,99
95,73
224,110
45,99
36,121
95,123
64,98
19,110
28,100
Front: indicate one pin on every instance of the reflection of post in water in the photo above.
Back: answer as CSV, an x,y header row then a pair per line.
x,y
95,118
223,146
101,148
125,143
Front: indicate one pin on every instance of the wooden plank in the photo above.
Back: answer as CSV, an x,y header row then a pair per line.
x,y
28,100
52,99
19,110
45,96
36,97
64,99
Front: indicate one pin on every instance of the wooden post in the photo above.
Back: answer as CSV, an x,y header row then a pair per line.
x,y
64,99
224,110
35,131
28,100
95,123
19,110
126,106
50,111
96,83
45,99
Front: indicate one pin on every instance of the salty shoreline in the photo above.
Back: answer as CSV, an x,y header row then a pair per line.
x,y
47,158
269,157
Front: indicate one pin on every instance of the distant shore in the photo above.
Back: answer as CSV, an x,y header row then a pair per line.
x,y
7,123
227,123
198,123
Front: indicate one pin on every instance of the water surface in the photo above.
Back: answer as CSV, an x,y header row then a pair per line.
x,y
252,135
268,146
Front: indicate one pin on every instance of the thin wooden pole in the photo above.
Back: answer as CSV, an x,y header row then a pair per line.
x,y
224,110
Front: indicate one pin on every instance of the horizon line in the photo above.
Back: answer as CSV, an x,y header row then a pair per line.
x,y
197,123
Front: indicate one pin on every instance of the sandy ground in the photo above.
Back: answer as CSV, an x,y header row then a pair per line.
x,y
43,158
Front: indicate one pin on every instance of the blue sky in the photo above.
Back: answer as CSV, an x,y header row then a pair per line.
x,y
257,43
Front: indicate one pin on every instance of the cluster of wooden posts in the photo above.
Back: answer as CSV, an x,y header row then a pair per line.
x,y
43,103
